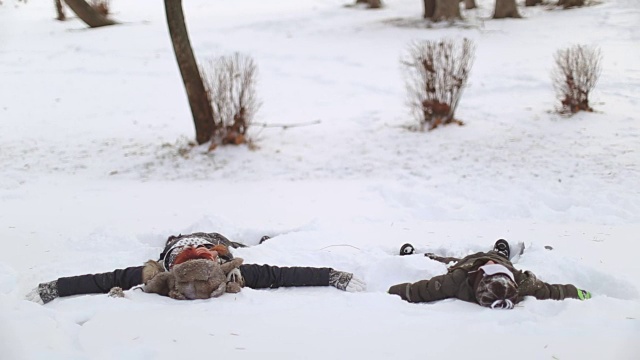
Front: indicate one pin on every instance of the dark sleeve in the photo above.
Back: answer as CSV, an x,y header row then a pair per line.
x,y
100,283
443,259
267,276
556,292
451,285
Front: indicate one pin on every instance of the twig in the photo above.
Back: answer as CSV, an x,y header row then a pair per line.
x,y
340,245
286,126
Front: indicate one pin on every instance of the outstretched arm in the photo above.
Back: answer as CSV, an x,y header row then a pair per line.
x,y
88,284
532,286
268,276
451,285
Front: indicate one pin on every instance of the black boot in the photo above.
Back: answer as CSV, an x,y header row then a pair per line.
x,y
407,249
264,238
502,248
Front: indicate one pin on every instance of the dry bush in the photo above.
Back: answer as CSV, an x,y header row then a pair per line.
x,y
230,82
371,4
436,74
103,7
567,4
575,75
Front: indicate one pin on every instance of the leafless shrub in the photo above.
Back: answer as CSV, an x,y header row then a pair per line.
x,y
436,74
230,82
371,4
575,75
103,7
566,4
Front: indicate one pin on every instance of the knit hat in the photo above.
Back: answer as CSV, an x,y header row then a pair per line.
x,y
497,290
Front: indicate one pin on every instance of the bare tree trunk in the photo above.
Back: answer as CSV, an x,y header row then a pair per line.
x,y
470,4
88,14
447,10
505,9
532,2
60,11
199,102
429,8
570,3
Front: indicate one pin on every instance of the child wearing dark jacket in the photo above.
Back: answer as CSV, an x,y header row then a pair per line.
x,y
485,278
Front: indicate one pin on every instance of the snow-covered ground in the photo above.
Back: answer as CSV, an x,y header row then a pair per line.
x,y
92,124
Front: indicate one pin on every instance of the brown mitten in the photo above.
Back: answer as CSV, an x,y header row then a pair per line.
x,y
151,269
161,284
233,287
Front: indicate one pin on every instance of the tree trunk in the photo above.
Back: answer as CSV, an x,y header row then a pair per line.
x,y
88,14
505,9
470,4
60,11
201,109
447,10
570,3
429,8
532,2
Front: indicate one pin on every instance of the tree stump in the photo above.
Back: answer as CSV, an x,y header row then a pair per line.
x,y
506,9
447,10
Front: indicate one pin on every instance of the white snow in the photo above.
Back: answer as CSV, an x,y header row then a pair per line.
x,y
92,179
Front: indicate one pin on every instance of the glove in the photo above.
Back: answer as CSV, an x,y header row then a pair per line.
x,y
116,292
584,294
346,281
44,293
34,296
235,277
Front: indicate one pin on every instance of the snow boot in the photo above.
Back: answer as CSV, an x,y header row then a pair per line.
x,y
407,249
502,248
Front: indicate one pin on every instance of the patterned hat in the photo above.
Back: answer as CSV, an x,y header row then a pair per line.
x,y
497,291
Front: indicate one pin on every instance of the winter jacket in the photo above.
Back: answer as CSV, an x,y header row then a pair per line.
x,y
460,278
255,276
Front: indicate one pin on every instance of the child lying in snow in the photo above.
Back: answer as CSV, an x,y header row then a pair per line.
x,y
485,278
196,248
